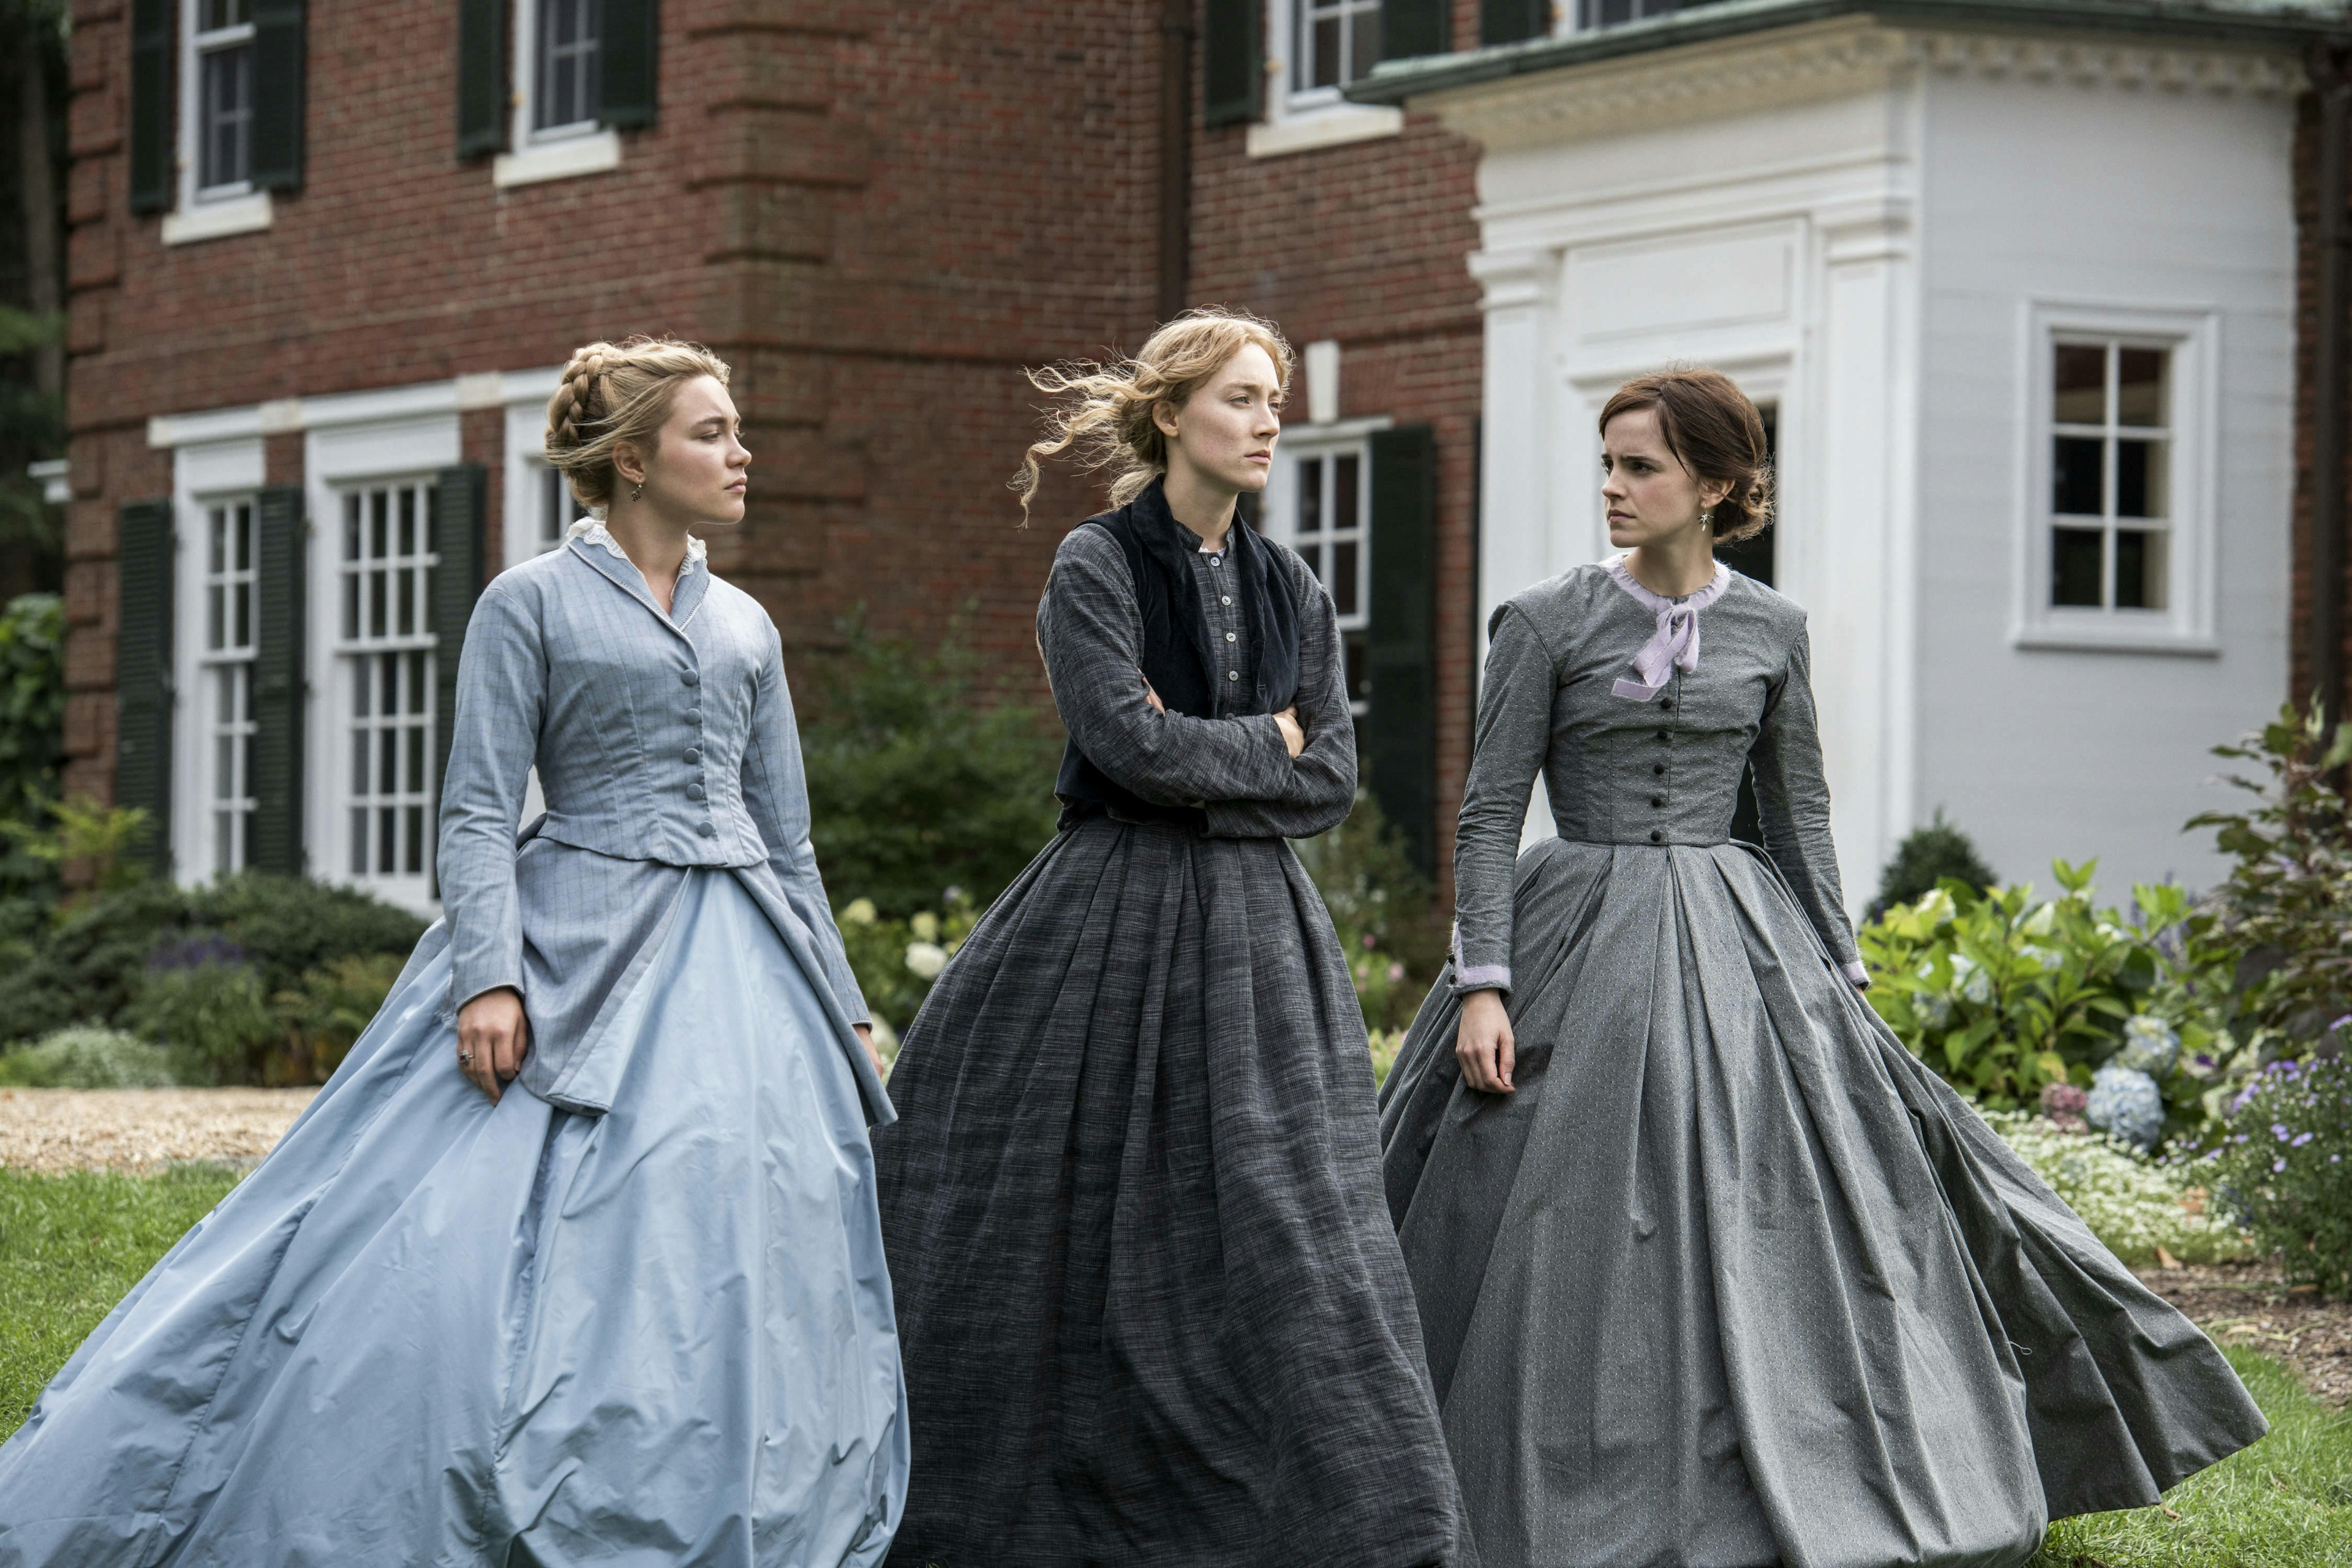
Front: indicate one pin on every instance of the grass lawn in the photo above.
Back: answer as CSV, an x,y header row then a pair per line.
x,y
71,1245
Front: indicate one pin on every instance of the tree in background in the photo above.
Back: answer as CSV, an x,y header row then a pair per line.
x,y
1925,858
32,291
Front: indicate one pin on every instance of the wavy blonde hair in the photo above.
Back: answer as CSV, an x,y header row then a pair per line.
x,y
1106,413
613,392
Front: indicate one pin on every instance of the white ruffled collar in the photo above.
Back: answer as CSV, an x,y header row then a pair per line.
x,y
593,530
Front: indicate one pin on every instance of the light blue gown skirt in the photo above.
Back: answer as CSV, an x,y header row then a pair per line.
x,y
427,1331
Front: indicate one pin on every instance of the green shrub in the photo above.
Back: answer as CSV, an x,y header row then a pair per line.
x,y
2282,1163
1385,911
2286,904
87,964
206,1005
88,1057
325,1012
31,703
1923,859
2134,1204
2003,994
897,961
919,780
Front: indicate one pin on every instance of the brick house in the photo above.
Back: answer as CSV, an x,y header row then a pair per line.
x,y
325,258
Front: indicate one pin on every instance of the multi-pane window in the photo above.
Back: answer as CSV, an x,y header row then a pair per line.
x,y
2110,475
1338,42
1331,530
224,88
224,691
555,510
384,648
569,34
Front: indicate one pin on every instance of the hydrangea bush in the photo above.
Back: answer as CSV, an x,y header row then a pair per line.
x,y
2281,1165
2132,1202
897,961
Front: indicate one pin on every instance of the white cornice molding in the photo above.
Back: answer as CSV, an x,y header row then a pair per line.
x,y
285,416
1837,59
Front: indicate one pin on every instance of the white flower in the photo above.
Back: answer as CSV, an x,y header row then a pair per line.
x,y
926,926
860,912
926,959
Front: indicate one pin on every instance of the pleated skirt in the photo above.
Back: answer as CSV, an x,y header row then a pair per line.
x,y
1732,1279
1152,1306
429,1331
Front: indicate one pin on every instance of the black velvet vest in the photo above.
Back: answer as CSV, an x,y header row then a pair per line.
x,y
1179,658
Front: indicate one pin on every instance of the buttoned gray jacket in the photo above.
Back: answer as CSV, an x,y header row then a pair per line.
x,y
663,743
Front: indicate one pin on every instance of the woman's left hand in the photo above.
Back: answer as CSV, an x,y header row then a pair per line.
x,y
866,1038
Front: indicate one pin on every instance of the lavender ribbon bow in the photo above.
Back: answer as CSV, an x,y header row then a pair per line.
x,y
1674,644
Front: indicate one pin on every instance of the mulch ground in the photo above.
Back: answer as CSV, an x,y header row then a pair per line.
x,y
2252,1304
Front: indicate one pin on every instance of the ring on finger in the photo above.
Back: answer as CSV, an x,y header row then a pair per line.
x,y
466,1058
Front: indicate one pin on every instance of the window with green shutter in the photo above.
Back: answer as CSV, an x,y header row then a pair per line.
x,y
1233,66
482,86
280,51
628,59
1410,29
280,690
144,549
460,505
1400,730
154,38
1512,21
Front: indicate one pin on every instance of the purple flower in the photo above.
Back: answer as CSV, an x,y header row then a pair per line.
x,y
2278,1130
2277,1166
2299,1141
1367,939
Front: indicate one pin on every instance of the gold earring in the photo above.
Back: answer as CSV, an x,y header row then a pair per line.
x,y
1707,518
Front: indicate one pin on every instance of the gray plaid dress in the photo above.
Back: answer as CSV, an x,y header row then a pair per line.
x,y
1732,1279
1150,1305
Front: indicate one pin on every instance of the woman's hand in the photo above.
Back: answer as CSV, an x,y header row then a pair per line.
x,y
866,1038
1152,697
1292,735
493,1036
1483,1043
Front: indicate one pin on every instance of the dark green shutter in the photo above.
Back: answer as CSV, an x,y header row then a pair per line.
x,y
1512,21
1413,27
1401,730
278,69
154,128
279,690
1232,64
142,668
460,508
628,56
482,84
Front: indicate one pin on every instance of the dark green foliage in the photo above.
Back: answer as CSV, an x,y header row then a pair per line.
x,y
88,967
1385,911
2286,905
212,1016
32,427
32,702
919,780
2282,1164
1925,858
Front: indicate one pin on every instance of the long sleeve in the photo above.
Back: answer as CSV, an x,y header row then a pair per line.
x,y
775,791
501,701
1792,796
1091,634
1322,786
1514,705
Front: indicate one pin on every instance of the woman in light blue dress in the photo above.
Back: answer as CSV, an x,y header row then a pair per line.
x,y
637,1314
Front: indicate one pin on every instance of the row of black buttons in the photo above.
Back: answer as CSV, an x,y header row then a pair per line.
x,y
693,756
1658,801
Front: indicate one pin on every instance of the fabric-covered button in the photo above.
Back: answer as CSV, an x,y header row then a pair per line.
x,y
1661,735
1656,836
710,830
694,754
1658,800
1657,767
694,791
694,715
689,676
1666,702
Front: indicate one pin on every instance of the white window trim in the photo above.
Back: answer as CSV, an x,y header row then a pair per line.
x,y
2186,626
336,458
524,394
1277,501
1319,117
202,476
558,151
225,210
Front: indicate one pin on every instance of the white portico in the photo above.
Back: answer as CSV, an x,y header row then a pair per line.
x,y
2018,295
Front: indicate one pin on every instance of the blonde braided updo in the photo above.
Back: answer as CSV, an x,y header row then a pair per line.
x,y
613,392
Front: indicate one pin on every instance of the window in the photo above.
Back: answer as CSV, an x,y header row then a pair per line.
x,y
1591,14
1338,42
224,685
385,657
554,512
1330,527
569,35
223,45
2110,475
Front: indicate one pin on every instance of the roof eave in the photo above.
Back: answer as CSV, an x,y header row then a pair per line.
x,y
1400,81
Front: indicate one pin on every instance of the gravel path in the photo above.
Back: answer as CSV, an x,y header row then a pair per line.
x,y
141,1129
